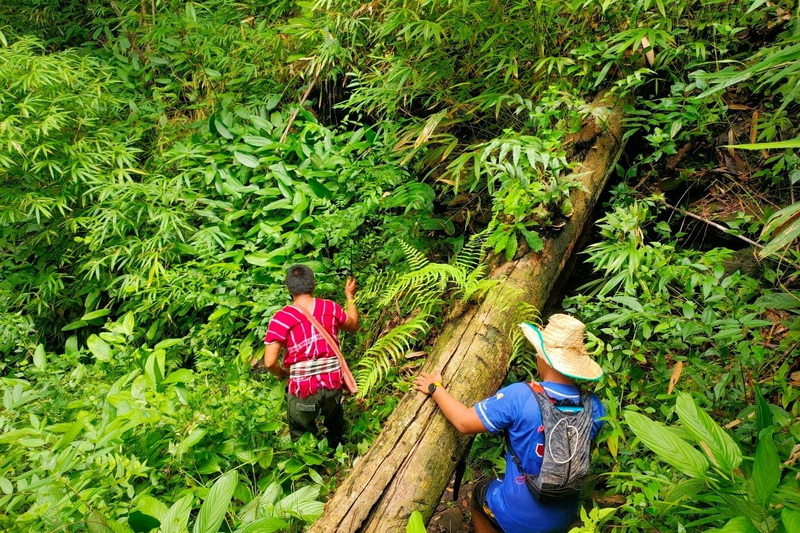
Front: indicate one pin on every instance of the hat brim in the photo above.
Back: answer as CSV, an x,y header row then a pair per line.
x,y
571,363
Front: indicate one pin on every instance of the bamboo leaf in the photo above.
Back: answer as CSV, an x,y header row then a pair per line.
x,y
214,508
672,449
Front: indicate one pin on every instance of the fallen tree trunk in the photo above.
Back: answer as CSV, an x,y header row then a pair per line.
x,y
410,463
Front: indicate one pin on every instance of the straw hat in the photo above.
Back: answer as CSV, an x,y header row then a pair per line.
x,y
561,344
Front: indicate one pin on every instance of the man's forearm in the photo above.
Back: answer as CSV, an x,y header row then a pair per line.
x,y
352,315
271,355
276,370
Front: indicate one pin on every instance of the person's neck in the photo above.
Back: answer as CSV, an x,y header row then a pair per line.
x,y
556,377
306,301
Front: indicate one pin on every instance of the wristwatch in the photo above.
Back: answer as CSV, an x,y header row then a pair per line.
x,y
432,387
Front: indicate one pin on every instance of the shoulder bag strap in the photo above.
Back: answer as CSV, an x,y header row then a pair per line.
x,y
347,376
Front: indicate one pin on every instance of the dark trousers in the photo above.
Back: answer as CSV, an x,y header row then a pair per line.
x,y
303,413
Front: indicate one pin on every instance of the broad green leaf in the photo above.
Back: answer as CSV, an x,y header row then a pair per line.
x,y
740,524
39,358
630,302
246,159
258,142
152,507
6,486
261,503
182,375
177,518
75,325
724,451
214,508
99,348
167,343
415,523
791,520
100,313
766,468
302,504
319,190
667,445
99,524
689,488
191,439
128,323
780,300
263,525
216,126
154,368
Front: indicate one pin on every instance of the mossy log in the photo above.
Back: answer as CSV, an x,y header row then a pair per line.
x,y
410,463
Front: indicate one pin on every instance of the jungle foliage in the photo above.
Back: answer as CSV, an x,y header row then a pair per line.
x,y
164,161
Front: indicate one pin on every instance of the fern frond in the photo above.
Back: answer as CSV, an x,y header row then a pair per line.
x,y
473,252
416,259
522,353
379,359
432,276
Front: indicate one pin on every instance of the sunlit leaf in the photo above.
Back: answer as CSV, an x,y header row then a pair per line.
x,y
246,159
99,348
177,517
263,525
670,448
415,523
216,504
724,450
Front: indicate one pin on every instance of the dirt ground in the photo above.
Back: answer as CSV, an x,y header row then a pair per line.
x,y
453,516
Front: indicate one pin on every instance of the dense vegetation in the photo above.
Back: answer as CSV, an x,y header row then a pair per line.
x,y
163,162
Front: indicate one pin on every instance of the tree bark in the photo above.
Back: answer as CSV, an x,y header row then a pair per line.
x,y
410,463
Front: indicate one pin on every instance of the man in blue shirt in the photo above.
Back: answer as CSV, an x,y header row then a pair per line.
x,y
506,505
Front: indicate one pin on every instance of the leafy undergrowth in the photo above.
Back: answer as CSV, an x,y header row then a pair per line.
x,y
164,161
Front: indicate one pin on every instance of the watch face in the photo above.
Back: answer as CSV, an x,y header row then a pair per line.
x,y
431,388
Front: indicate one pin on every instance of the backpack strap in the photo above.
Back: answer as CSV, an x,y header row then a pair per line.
x,y
347,376
537,388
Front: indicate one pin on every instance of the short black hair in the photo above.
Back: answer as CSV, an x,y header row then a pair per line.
x,y
300,280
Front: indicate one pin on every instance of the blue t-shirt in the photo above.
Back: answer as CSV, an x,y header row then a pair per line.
x,y
514,408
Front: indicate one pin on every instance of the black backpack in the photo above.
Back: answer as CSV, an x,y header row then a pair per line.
x,y
567,438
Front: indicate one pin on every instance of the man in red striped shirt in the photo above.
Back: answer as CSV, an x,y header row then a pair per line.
x,y
315,377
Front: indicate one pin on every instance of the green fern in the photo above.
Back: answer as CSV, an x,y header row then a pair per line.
x,y
415,299
523,355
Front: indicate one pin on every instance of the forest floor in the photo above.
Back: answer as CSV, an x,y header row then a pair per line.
x,y
453,516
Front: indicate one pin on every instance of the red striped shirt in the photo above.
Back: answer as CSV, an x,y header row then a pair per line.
x,y
303,343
